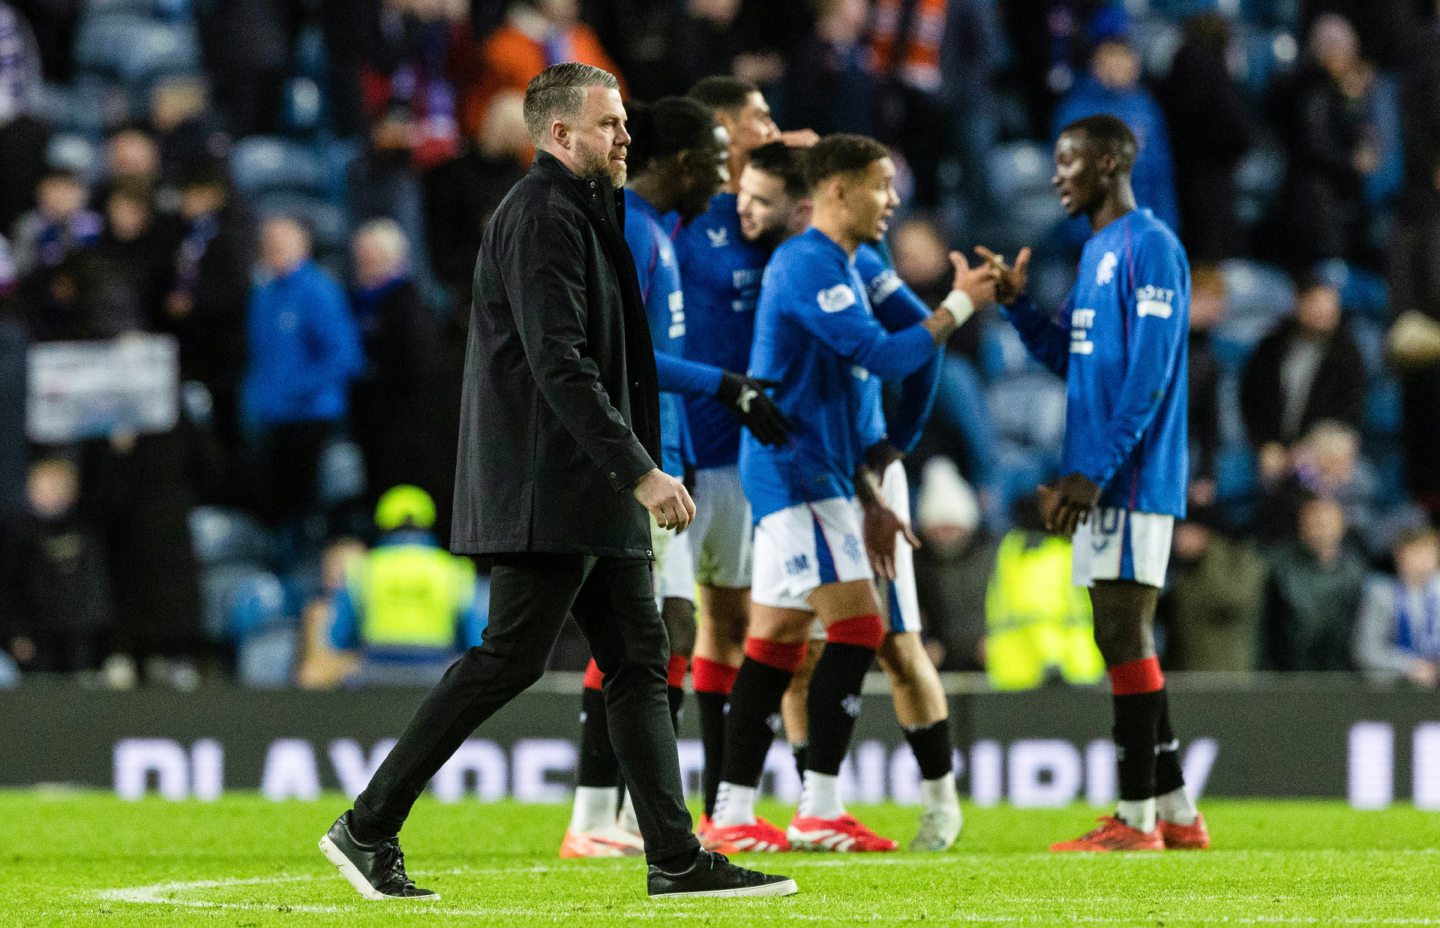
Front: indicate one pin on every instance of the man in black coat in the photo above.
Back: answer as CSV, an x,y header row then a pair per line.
x,y
559,435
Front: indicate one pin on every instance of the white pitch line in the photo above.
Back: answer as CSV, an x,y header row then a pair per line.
x,y
165,894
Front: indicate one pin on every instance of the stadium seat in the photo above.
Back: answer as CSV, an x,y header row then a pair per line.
x,y
255,603
228,536
1383,409
263,164
1267,54
342,474
267,660
1029,409
326,221
1258,180
1157,39
1256,289
76,153
135,49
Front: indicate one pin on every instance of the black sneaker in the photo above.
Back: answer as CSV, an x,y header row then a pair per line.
x,y
713,874
377,871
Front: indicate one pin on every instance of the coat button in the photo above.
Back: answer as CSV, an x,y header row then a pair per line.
x,y
649,553
612,476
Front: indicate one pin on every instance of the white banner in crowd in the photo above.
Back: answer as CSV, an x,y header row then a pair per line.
x,y
84,390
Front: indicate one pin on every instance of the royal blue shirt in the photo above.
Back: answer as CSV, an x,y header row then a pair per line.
x,y
720,272
1120,343
896,307
816,336
659,273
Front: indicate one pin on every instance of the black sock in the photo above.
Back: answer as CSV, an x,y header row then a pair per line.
x,y
1135,725
756,697
800,750
931,744
712,740
834,703
678,863
1168,774
677,706
598,766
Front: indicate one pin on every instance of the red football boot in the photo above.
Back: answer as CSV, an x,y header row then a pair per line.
x,y
1114,835
1193,837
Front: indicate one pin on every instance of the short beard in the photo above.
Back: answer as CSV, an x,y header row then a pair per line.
x,y
600,166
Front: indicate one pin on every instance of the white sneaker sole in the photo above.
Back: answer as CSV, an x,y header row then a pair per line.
x,y
356,879
783,888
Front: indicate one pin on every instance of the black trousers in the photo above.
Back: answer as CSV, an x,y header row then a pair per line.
x,y
530,594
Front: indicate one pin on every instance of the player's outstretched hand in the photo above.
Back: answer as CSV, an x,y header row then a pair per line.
x,y
745,397
881,527
977,282
800,138
665,498
1010,281
1067,502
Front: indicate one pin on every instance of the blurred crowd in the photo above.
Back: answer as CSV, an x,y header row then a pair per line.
x,y
287,196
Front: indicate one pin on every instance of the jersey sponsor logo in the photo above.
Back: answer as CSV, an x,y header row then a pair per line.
x,y
1106,271
667,254
719,238
1154,301
677,314
884,285
1081,321
859,373
836,298
798,565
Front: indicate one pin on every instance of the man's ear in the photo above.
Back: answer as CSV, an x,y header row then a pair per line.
x,y
560,134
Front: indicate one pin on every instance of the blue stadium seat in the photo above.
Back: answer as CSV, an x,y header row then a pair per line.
x,y
1018,168
76,153
267,660
217,581
1258,180
1383,409
255,603
1029,409
326,221
1157,39
1256,289
1235,475
263,164
228,536
342,474
1267,55
135,49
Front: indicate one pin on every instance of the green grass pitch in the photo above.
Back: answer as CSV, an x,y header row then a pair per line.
x,y
242,862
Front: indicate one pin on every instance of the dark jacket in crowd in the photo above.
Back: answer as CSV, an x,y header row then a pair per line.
x,y
1204,406
53,579
1337,391
1310,610
1210,133
13,449
460,197
951,587
1212,609
212,266
560,411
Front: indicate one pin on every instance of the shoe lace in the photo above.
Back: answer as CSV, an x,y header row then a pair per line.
x,y
391,862
715,860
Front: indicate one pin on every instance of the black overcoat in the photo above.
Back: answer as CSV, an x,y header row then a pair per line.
x,y
560,405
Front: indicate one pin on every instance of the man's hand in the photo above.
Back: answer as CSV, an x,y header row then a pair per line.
x,y
979,282
745,397
1009,281
665,498
880,528
1067,502
1423,673
800,138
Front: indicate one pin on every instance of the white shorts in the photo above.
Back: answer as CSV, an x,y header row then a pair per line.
x,y
902,596
677,573
802,548
1117,544
720,535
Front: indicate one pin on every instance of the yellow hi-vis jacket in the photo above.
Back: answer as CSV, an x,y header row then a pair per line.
x,y
411,596
1036,619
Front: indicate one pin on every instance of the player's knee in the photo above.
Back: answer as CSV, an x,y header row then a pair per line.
x,y
1119,643
679,619
863,631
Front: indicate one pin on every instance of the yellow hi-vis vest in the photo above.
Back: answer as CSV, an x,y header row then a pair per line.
x,y
1036,619
411,596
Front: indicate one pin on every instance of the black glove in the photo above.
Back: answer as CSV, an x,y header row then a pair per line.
x,y
745,398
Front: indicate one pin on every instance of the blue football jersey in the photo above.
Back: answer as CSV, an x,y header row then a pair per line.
x,y
659,272
816,335
1120,341
720,272
896,307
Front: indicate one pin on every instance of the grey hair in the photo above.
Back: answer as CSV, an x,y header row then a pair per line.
x,y
389,235
559,92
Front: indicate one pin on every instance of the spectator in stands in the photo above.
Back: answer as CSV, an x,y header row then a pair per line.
x,y
1112,85
1415,264
304,349
1397,635
1039,627
318,665
206,307
409,99
1210,131
59,224
1325,463
409,607
135,246
952,567
54,587
1207,310
1211,610
832,85
461,194
1306,369
391,401
535,35
1313,595
132,155
22,134
187,129
1331,147
13,448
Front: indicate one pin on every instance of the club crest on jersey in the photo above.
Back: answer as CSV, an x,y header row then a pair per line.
x,y
719,238
1106,271
836,298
